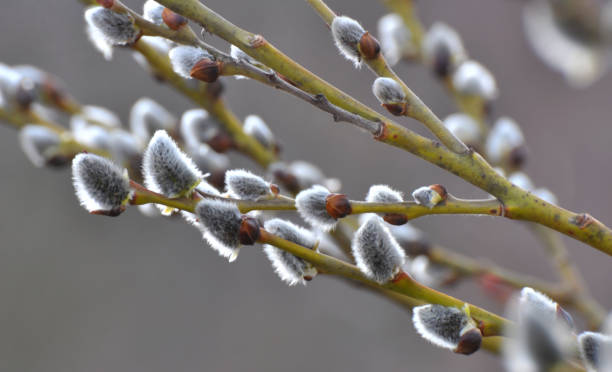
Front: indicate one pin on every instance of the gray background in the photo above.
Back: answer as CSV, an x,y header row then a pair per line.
x,y
85,293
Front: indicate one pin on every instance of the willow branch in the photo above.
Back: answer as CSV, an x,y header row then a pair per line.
x,y
416,108
520,204
492,324
68,146
555,247
205,96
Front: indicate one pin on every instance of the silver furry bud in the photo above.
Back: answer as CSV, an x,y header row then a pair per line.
x,y
464,127
472,78
383,194
242,184
184,57
152,12
147,116
447,327
311,204
593,346
290,269
101,186
40,144
388,91
116,28
221,222
429,196
442,48
197,127
347,33
255,126
504,137
167,170
376,252
395,38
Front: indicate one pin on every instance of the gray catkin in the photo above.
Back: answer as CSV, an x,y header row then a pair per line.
x,y
221,220
117,28
290,268
242,184
376,252
441,325
311,204
99,183
167,169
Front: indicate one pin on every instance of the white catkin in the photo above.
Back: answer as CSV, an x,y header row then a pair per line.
x,y
472,78
441,325
376,252
388,91
395,38
463,127
347,33
38,143
99,183
289,268
184,57
152,12
147,116
595,349
504,136
442,36
116,28
167,170
311,205
383,194
256,127
242,184
221,222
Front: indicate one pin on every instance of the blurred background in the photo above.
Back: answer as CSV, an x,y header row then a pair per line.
x,y
86,293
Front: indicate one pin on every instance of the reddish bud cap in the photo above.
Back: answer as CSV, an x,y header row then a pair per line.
x,y
441,190
469,342
221,142
338,205
397,109
206,70
249,231
369,46
395,218
173,20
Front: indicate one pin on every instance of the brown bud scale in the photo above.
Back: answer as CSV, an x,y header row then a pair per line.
x,y
369,46
206,70
441,190
249,231
173,20
338,205
395,218
221,142
397,109
469,342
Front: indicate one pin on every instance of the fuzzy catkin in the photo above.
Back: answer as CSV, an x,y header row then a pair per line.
x,y
38,143
290,269
347,33
167,170
99,183
311,205
383,194
117,28
242,184
440,325
184,57
376,252
221,222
